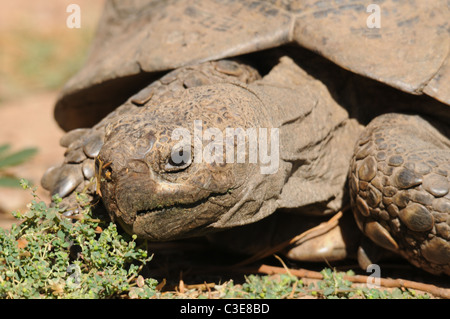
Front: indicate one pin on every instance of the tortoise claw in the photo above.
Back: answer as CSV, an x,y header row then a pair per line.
x,y
74,155
142,96
331,241
73,136
68,180
93,144
329,246
88,168
368,253
50,177
78,168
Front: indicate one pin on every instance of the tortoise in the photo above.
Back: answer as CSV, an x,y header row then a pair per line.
x,y
250,121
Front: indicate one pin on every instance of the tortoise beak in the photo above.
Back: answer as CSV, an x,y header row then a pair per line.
x,y
137,191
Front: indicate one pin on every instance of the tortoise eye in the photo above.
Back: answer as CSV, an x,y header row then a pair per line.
x,y
179,159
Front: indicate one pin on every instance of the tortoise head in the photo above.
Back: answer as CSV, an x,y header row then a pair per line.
x,y
173,168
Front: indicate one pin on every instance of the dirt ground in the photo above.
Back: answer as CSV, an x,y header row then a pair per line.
x,y
29,122
39,53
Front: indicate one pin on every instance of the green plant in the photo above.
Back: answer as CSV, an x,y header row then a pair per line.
x,y
48,255
286,286
265,287
334,286
9,159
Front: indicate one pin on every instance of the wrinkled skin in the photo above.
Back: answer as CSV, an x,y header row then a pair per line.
x,y
150,195
159,199
142,187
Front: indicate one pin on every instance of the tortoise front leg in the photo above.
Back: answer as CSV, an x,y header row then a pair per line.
x,y
77,173
399,185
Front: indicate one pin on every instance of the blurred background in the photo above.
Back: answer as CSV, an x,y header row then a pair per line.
x,y
38,54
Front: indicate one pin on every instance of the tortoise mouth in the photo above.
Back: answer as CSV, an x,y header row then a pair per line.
x,y
157,209
178,206
175,221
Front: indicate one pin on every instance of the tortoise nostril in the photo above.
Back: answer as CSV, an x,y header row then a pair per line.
x,y
103,169
107,172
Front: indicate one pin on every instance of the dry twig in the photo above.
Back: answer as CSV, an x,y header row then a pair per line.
x,y
384,282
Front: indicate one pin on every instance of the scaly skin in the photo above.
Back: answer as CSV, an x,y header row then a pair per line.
x,y
398,181
399,185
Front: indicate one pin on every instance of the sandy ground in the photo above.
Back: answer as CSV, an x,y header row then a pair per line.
x,y
36,44
29,123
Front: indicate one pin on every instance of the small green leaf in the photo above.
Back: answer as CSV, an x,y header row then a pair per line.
x,y
17,157
328,291
4,148
61,234
9,182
